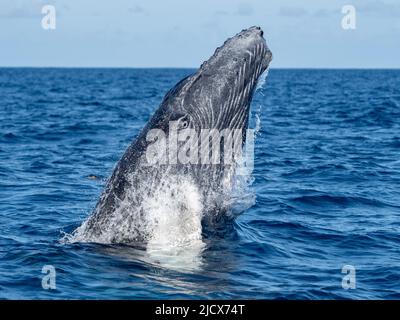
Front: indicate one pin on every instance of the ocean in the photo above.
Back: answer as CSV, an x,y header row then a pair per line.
x,y
325,220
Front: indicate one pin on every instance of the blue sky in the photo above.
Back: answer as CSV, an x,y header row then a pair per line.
x,y
183,33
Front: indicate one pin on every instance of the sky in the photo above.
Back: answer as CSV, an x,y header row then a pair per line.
x,y
184,33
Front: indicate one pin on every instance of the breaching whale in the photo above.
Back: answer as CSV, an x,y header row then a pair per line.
x,y
164,184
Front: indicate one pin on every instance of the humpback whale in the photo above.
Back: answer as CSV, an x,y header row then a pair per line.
x,y
156,189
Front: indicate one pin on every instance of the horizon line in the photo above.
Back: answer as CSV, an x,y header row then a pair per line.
x,y
186,68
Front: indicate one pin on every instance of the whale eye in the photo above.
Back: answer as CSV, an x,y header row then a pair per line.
x,y
181,120
184,124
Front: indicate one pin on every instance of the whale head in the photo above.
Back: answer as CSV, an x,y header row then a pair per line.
x,y
218,95
216,99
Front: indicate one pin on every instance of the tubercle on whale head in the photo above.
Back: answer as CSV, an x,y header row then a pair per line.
x,y
247,39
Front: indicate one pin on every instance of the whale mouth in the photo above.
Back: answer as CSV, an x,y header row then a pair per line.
x,y
257,34
259,44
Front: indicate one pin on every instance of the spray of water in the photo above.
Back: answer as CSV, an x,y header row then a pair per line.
x,y
170,211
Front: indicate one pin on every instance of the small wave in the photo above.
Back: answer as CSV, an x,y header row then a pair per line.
x,y
324,200
91,103
10,137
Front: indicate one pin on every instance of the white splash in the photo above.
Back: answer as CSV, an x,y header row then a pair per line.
x,y
171,220
262,79
174,220
174,213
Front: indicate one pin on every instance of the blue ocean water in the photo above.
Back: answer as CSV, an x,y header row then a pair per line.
x,y
327,186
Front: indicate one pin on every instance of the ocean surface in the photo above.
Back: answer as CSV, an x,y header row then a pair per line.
x,y
326,182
